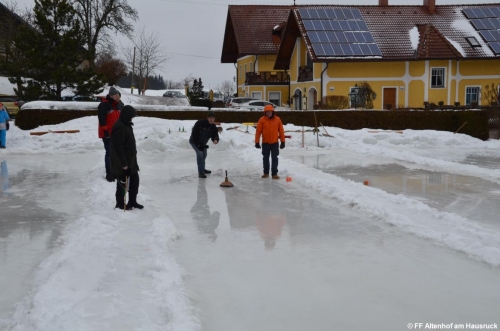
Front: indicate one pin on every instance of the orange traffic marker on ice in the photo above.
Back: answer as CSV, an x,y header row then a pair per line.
x,y
366,182
288,179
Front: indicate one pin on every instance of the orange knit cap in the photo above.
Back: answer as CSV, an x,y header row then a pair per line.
x,y
268,108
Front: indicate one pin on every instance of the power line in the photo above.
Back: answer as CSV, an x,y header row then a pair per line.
x,y
206,57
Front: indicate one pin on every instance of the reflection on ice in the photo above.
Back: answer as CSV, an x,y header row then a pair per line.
x,y
4,178
206,222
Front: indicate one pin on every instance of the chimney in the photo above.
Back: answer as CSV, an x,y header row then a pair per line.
x,y
430,4
383,3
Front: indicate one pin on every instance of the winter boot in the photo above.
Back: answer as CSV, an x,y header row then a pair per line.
x,y
207,171
276,177
132,205
120,205
202,175
265,176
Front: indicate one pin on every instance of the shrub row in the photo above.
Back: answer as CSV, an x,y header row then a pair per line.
x,y
477,121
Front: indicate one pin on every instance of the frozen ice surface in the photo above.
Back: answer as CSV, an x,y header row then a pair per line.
x,y
322,252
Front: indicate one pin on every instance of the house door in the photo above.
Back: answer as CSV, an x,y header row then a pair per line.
x,y
389,101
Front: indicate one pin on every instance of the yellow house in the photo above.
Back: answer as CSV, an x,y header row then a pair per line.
x,y
409,55
251,42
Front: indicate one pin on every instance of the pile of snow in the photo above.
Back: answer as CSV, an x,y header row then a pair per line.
x,y
6,87
414,37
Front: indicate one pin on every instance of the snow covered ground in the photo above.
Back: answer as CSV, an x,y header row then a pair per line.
x,y
420,243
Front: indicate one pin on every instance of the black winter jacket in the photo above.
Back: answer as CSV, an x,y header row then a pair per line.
x,y
202,132
123,148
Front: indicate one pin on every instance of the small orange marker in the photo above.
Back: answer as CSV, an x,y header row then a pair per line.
x,y
288,179
366,182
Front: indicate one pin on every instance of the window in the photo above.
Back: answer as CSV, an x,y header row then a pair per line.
x,y
472,94
473,41
245,77
437,78
257,95
309,63
241,73
275,97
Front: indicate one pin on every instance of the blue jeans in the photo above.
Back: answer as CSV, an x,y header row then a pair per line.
x,y
200,157
107,147
274,150
3,138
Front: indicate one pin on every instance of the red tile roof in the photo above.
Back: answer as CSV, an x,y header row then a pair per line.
x,y
251,31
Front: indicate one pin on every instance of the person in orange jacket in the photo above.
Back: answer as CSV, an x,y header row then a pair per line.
x,y
271,128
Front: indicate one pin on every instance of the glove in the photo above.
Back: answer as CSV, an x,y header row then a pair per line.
x,y
128,172
201,147
106,134
257,145
282,145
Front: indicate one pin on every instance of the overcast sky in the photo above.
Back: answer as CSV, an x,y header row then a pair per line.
x,y
193,31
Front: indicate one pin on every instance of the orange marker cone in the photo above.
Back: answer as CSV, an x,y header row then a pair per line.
x,y
288,178
366,182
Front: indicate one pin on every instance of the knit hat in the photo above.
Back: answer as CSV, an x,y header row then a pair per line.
x,y
211,114
127,113
113,91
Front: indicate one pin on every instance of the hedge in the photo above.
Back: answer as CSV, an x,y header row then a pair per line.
x,y
477,121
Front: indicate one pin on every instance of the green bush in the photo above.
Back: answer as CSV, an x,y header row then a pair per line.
x,y
201,103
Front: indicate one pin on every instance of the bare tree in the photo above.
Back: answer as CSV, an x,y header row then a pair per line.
x,y
226,88
188,80
150,55
111,68
99,17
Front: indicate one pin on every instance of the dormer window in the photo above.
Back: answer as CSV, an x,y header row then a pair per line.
x,y
473,41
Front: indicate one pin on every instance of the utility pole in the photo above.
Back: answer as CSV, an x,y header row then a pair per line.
x,y
133,74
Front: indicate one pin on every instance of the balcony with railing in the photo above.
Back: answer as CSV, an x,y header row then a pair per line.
x,y
305,74
267,78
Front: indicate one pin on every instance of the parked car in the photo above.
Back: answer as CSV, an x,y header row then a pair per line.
x,y
257,105
174,94
235,102
10,103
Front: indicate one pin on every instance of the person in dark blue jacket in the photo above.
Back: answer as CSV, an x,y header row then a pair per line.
x,y
203,131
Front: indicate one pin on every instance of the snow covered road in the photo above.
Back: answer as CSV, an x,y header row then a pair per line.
x,y
322,252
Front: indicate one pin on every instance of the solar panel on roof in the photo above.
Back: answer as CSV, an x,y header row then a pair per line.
x,y
487,12
328,50
469,13
495,22
348,14
323,38
341,37
304,14
318,49
309,25
496,47
338,32
356,49
350,36
313,14
357,14
487,35
359,37
332,37
495,34
368,37
478,12
337,50
318,25
327,25
338,12
313,36
346,48
478,24
353,25
486,22
374,49
344,25
495,11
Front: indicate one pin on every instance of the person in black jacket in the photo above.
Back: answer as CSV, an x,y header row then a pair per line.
x,y
124,159
203,131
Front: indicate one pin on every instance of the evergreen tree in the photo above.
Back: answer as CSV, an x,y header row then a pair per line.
x,y
50,55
